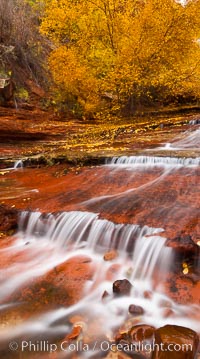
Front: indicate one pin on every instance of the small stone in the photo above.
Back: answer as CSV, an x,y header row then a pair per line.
x,y
168,313
105,295
109,256
147,294
76,331
135,310
141,332
165,303
122,287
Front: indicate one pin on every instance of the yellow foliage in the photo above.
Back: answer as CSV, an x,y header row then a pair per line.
x,y
125,47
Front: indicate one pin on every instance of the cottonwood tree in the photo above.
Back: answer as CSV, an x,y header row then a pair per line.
x,y
140,51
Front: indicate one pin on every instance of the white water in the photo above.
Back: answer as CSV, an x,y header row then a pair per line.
x,y
17,165
81,230
152,161
194,122
190,141
43,242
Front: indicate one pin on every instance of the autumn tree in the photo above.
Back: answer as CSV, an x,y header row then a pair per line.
x,y
139,52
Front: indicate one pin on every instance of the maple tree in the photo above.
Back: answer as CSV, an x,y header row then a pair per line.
x,y
136,51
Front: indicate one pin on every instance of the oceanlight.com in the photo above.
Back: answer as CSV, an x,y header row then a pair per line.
x,y
104,346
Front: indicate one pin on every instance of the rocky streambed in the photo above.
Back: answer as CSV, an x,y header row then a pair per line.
x,y
100,238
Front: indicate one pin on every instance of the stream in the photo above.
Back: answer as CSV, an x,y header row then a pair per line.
x,y
135,218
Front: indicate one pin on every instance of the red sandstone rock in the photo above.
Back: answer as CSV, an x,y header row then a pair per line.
x,y
147,294
135,339
8,218
141,332
62,285
137,333
183,341
168,313
109,256
135,310
122,287
182,289
75,333
184,245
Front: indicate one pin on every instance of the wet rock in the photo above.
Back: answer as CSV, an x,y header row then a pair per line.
x,y
148,294
61,286
121,355
137,333
168,313
135,310
109,256
183,245
122,287
77,318
105,295
137,341
165,303
75,333
182,289
184,341
8,218
140,333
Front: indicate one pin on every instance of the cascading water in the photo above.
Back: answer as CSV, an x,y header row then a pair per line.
x,y
152,161
81,229
190,140
48,240
18,164
194,122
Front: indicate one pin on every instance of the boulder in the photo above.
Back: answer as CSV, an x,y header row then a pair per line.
x,y
122,287
175,342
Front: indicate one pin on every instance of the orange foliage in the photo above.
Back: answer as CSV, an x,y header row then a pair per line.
x,y
125,47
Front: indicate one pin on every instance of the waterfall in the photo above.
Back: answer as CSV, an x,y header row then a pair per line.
x,y
151,161
75,232
150,253
44,241
190,141
81,229
194,122
18,164
86,231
